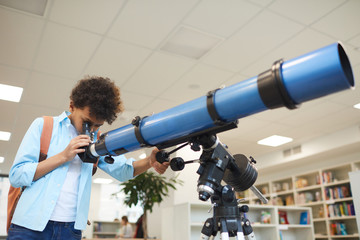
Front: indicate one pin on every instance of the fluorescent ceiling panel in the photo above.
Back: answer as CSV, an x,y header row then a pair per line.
x,y
190,43
357,106
31,6
5,136
10,93
274,141
2,159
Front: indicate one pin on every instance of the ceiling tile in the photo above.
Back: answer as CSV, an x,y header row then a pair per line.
x,y
134,101
64,51
116,60
355,42
13,76
235,53
196,83
262,3
335,122
343,23
48,91
20,35
302,115
305,11
221,18
92,15
8,120
304,42
157,74
147,23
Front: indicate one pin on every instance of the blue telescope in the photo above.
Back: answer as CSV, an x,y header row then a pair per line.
x,y
286,83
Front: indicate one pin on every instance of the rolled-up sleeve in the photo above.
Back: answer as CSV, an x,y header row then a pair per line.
x,y
122,169
23,169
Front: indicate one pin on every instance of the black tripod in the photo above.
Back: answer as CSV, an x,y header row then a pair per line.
x,y
228,218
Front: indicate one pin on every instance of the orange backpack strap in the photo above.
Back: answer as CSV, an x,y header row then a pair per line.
x,y
15,193
46,137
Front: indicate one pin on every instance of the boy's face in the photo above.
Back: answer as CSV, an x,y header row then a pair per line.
x,y
79,116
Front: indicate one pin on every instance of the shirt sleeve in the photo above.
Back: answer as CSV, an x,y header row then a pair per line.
x,y
26,160
122,169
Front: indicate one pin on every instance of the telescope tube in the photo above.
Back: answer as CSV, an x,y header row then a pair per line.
x,y
287,83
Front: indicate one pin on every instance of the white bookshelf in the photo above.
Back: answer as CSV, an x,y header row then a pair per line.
x,y
316,190
105,229
188,220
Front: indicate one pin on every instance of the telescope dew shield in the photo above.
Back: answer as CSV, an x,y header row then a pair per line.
x,y
287,83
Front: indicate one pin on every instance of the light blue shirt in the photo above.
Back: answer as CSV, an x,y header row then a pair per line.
x,y
38,200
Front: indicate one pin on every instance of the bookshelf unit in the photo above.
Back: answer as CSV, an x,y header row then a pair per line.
x,y
189,219
105,229
326,191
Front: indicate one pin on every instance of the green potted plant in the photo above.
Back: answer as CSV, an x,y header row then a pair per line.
x,y
147,188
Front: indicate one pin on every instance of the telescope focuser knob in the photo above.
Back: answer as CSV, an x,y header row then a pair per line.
x,y
162,156
177,164
109,160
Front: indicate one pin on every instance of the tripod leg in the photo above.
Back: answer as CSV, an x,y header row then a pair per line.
x,y
240,234
224,234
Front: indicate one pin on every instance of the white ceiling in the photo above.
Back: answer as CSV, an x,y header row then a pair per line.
x,y
121,39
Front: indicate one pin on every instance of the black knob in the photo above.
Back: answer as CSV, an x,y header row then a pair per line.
x,y
109,160
177,164
162,156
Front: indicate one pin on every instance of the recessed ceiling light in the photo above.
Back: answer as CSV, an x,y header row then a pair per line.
x,y
102,180
10,93
34,6
274,141
2,159
357,106
190,43
5,136
142,156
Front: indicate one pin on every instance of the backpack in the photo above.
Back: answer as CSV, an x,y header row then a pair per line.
x,y
15,193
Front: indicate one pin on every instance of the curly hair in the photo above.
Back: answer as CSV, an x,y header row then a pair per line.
x,y
101,95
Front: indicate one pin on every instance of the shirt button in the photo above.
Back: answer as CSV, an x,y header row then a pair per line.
x,y
58,185
52,202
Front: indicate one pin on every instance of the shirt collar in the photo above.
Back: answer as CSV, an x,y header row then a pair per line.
x,y
64,117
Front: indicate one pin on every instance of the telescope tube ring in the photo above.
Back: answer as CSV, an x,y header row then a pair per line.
x,y
272,89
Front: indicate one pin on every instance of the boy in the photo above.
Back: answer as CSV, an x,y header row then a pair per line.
x,y
55,202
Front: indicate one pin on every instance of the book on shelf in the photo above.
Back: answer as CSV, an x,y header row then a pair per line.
x,y
337,192
283,217
304,218
341,209
338,228
328,177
